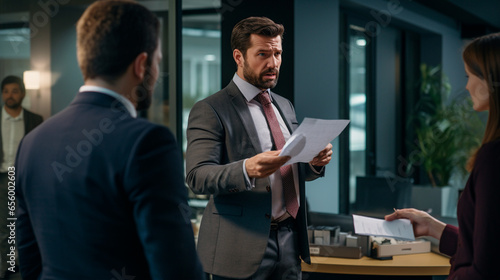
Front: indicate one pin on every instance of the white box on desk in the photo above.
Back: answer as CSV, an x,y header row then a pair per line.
x,y
401,248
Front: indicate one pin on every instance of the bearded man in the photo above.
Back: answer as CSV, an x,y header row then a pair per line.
x,y
100,192
254,225
16,123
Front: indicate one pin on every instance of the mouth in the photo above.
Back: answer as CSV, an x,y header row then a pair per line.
x,y
270,76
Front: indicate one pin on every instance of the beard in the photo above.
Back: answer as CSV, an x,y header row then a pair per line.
x,y
144,92
13,104
258,80
143,97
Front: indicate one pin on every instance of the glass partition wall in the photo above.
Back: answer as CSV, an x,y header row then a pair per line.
x,y
201,61
15,52
357,107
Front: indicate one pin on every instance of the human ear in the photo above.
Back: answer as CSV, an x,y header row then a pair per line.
x,y
140,65
238,57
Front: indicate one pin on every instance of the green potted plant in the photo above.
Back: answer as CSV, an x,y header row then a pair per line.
x,y
445,130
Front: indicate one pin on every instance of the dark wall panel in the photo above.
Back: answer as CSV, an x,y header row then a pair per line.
x,y
66,75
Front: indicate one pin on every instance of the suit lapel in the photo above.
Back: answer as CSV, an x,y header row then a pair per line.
x,y
283,116
28,123
241,107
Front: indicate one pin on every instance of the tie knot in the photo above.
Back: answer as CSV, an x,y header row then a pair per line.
x,y
263,98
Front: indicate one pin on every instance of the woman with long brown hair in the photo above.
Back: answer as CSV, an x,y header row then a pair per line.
x,y
474,245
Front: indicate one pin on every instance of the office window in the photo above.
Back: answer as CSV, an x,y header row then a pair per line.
x,y
14,48
357,98
15,52
357,107
201,61
380,82
201,69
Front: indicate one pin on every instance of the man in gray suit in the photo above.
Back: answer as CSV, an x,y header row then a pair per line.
x,y
15,123
249,230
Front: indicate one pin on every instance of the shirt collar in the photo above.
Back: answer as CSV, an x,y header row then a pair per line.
x,y
6,116
128,105
249,91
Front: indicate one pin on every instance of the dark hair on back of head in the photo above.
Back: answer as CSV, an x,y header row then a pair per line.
x,y
111,34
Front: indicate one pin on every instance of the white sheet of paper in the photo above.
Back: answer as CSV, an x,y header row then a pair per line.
x,y
310,138
398,229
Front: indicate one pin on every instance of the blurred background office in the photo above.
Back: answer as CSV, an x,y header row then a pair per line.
x,y
393,67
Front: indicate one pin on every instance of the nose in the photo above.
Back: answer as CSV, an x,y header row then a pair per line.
x,y
273,62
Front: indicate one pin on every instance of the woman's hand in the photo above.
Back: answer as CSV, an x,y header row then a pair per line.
x,y
423,223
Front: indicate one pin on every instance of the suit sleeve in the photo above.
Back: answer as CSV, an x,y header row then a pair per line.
x,y
449,240
486,228
207,168
312,174
27,246
155,187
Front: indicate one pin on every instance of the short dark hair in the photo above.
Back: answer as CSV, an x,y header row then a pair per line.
x,y
240,37
111,34
14,80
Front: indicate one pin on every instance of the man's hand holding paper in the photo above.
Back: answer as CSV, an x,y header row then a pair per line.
x,y
311,141
264,164
324,157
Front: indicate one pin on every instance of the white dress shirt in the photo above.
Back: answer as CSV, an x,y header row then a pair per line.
x,y
12,133
250,92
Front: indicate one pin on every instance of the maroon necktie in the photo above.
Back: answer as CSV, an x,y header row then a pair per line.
x,y
291,203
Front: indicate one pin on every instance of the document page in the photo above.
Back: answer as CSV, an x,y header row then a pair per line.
x,y
310,138
398,229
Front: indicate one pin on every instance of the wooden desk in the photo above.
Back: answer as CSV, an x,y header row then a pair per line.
x,y
414,264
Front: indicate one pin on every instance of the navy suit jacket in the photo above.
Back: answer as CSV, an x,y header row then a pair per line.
x,y
101,196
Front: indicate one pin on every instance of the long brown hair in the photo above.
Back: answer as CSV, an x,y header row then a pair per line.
x,y
482,57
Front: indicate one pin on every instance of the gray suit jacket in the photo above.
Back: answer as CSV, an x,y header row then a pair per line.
x,y
31,120
236,222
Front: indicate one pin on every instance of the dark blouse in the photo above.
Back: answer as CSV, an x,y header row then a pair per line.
x,y
475,245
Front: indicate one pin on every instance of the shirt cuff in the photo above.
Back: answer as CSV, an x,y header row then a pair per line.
x,y
316,170
250,183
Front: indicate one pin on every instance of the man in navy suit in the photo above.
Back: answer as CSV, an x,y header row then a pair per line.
x,y
100,192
